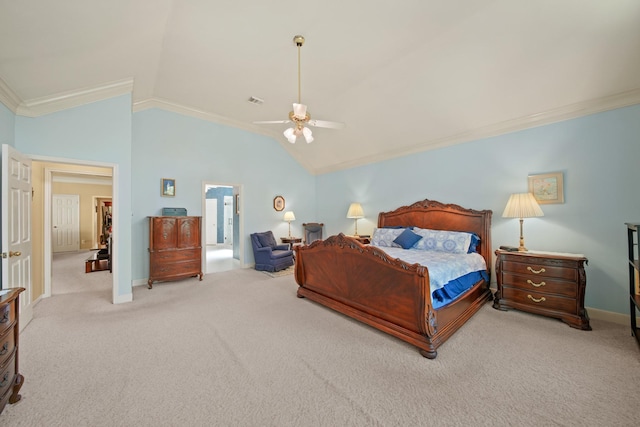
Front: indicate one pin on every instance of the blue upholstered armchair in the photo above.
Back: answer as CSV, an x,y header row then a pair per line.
x,y
268,254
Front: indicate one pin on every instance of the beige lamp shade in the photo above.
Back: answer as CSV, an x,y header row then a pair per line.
x,y
355,211
289,216
522,205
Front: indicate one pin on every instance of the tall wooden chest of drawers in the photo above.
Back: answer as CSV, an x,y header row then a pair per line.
x,y
10,378
175,248
550,284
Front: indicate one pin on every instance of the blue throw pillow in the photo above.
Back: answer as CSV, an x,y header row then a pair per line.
x,y
267,240
475,239
407,239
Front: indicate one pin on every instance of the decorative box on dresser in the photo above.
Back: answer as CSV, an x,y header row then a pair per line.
x,y
175,248
546,283
10,378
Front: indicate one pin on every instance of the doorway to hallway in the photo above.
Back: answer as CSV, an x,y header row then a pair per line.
x,y
221,227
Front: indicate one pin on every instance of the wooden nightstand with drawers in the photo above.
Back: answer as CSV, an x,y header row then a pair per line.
x,y
546,283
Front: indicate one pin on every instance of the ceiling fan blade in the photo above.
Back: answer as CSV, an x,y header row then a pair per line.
x,y
326,124
269,122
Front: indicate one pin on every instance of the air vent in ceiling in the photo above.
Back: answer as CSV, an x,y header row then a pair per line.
x,y
257,101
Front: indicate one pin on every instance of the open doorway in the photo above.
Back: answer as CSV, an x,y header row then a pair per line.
x,y
91,182
221,223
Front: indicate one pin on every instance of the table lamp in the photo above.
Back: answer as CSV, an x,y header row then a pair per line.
x,y
355,211
522,205
289,216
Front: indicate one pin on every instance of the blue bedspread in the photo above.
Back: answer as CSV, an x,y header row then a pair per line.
x,y
450,275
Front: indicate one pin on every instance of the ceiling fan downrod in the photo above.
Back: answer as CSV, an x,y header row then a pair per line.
x,y
299,41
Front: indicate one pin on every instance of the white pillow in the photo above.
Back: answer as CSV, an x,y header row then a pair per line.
x,y
453,242
385,236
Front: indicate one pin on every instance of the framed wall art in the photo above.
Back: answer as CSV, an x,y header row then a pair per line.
x,y
168,187
547,188
278,203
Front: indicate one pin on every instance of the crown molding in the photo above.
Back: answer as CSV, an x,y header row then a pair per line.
x,y
62,101
166,105
568,112
9,97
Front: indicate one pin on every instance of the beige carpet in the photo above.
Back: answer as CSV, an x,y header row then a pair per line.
x,y
240,349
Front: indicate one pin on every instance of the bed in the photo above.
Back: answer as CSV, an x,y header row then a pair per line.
x,y
367,284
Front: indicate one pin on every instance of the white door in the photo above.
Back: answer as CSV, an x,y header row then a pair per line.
x,y
211,227
16,227
228,220
65,222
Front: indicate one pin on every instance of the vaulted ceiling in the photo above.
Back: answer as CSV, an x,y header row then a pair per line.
x,y
403,76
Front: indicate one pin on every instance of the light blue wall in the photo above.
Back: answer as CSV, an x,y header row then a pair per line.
x,y
189,150
100,132
7,126
598,155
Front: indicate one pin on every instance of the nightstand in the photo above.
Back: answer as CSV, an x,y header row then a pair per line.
x,y
547,283
365,240
291,241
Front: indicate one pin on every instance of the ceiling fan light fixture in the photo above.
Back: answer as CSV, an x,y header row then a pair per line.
x,y
290,135
308,135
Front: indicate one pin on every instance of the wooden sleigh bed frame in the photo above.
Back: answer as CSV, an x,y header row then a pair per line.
x,y
366,284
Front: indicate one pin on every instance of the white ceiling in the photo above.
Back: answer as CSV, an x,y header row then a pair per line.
x,y
404,76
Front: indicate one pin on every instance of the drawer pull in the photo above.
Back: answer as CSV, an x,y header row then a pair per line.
x,y
537,285
5,380
542,270
542,299
5,317
5,349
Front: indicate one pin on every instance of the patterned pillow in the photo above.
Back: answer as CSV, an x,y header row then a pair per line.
x,y
385,236
454,242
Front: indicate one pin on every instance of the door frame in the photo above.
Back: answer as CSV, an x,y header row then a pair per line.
x,y
237,190
48,195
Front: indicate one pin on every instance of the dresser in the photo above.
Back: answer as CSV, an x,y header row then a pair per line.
x,y
10,378
546,283
175,248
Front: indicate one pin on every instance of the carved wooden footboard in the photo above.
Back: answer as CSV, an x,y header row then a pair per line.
x,y
366,284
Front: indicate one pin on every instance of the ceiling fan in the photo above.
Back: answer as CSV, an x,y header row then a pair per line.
x,y
299,116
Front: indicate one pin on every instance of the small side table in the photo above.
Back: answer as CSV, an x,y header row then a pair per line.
x,y
365,240
547,283
291,241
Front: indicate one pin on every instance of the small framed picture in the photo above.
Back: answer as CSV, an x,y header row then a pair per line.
x,y
547,188
278,203
168,187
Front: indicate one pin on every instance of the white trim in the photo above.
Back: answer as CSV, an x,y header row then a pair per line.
x,y
140,282
121,299
89,179
48,173
62,101
9,97
240,190
572,111
610,316
166,105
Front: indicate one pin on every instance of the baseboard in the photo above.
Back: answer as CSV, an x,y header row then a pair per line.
x,y
609,316
140,282
121,299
